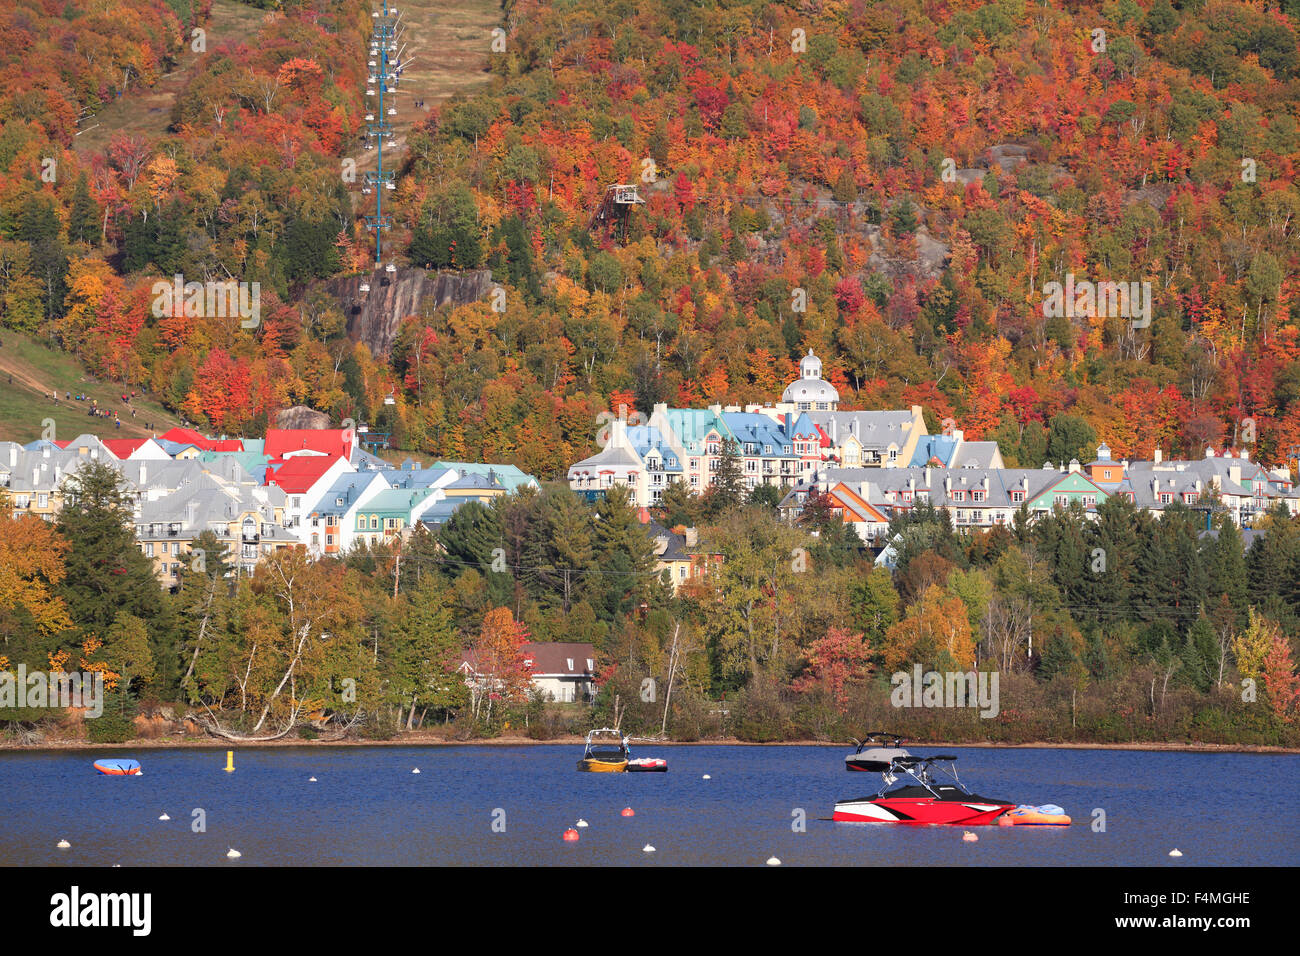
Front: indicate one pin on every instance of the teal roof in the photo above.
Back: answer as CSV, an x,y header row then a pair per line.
x,y
395,502
251,461
692,426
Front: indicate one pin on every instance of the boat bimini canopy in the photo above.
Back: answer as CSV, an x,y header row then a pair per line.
x,y
876,751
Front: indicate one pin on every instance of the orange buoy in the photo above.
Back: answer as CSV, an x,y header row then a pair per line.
x,y
570,835
627,812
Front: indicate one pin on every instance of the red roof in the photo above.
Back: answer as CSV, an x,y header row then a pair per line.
x,y
296,475
122,448
554,658
333,442
188,436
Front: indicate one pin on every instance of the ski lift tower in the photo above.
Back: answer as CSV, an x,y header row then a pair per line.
x,y
615,207
380,80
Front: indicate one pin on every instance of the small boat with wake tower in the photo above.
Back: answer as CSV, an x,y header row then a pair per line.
x,y
922,790
607,751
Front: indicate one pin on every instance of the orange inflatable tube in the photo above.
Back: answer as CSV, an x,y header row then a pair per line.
x,y
1049,815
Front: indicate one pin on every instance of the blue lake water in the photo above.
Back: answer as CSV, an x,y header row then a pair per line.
x,y
368,808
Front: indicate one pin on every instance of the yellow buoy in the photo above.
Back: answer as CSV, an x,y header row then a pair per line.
x,y
230,761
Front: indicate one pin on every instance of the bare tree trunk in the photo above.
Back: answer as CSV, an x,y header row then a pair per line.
x,y
203,629
672,669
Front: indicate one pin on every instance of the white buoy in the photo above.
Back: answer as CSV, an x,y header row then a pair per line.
x,y
63,844
581,823
1175,852
164,817
773,861
416,770
647,848
234,854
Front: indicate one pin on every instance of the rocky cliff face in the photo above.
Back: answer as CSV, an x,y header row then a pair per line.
x,y
300,416
374,317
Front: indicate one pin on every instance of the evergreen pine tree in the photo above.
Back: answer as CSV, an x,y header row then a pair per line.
x,y
107,573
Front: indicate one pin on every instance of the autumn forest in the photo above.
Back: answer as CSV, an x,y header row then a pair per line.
x,y
891,184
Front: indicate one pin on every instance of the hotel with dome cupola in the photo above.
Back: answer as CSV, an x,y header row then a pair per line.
x,y
780,443
872,464
810,392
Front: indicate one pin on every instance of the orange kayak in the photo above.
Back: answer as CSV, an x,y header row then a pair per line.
x,y
117,767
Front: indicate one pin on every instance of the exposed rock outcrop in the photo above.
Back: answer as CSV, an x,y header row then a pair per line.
x,y
300,416
374,317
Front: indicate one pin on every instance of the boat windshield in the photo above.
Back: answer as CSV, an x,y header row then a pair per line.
x,y
606,745
912,771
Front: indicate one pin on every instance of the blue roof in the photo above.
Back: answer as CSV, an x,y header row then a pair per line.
x,y
415,477
643,438
174,448
933,446
759,429
509,477
348,487
439,513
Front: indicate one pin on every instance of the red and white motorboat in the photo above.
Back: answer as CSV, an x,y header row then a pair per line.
x,y
912,794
